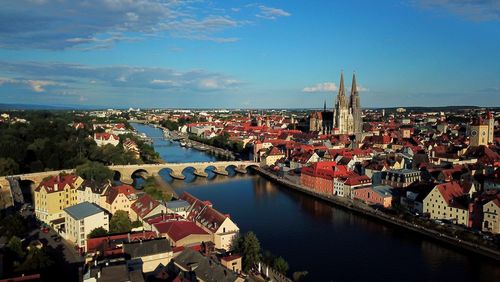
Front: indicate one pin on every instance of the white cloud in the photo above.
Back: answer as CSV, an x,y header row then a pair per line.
x,y
40,75
271,13
35,85
321,87
476,10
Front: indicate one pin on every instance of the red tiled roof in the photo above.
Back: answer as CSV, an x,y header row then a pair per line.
x,y
203,213
105,136
57,183
178,230
144,205
108,242
450,190
114,191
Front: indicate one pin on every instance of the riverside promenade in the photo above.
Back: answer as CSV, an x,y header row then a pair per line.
x,y
368,211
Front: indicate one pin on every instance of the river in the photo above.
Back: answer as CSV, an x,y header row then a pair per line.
x,y
330,243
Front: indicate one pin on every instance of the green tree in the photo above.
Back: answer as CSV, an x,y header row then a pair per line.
x,y
249,247
37,259
120,222
97,232
16,247
8,166
280,265
297,276
94,171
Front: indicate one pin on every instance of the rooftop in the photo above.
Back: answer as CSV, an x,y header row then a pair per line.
x,y
83,210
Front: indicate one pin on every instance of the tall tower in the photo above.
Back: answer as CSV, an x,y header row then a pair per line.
x,y
490,120
479,132
355,106
341,111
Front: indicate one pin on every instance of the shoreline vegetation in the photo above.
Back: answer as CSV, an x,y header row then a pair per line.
x,y
49,141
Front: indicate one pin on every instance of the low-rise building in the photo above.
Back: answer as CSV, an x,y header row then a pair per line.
x,y
448,201
145,207
375,195
179,207
191,265
271,157
149,254
103,139
93,192
220,226
81,219
182,232
399,178
491,216
119,198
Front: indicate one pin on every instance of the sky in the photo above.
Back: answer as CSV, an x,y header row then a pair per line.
x,y
247,54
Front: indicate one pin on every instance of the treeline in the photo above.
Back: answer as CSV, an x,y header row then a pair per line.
x,y
49,142
222,141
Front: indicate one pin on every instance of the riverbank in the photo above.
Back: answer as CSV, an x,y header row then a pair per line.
x,y
365,210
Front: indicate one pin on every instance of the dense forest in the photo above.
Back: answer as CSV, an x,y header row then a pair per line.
x,y
49,142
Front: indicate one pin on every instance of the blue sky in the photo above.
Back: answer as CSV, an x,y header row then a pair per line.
x,y
247,54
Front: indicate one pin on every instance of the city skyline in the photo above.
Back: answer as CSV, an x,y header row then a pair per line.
x,y
244,54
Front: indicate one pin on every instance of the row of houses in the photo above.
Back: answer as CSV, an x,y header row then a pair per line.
x,y
76,207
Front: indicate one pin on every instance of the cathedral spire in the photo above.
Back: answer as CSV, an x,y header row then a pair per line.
x,y
354,87
341,86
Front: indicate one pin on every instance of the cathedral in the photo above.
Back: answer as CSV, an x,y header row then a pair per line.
x,y
346,116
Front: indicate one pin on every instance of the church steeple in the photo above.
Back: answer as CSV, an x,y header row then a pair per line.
x,y
354,101
341,86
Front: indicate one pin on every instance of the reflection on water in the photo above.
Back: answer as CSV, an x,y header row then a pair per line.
x,y
331,243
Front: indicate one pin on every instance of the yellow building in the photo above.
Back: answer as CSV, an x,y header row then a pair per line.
x,y
491,219
119,198
482,131
53,195
448,201
272,157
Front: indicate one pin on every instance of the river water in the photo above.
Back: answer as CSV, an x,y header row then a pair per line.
x,y
330,243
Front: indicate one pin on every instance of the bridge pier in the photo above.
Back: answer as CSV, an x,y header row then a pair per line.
x,y
200,173
220,171
178,176
241,170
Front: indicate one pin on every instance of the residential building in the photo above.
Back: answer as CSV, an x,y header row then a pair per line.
x,y
191,265
93,192
232,262
344,185
181,232
145,207
54,194
119,198
399,178
448,201
491,216
111,245
179,207
103,139
375,195
150,254
81,219
271,157
220,226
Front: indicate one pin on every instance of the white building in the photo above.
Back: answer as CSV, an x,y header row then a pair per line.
x,y
81,219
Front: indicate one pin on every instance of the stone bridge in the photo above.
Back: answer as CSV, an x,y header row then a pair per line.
x,y
126,174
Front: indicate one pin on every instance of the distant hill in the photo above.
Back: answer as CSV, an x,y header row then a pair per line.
x,y
45,107
435,109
